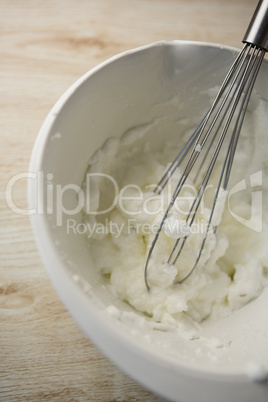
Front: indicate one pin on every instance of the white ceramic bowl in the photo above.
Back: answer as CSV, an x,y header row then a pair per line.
x,y
108,100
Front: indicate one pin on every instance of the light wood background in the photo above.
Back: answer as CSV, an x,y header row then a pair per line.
x,y
44,47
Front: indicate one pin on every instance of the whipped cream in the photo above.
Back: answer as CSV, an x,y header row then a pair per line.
x,y
233,265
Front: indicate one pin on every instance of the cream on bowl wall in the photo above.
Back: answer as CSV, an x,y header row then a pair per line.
x,y
226,362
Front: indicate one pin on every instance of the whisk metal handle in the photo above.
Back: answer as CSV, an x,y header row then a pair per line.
x,y
257,32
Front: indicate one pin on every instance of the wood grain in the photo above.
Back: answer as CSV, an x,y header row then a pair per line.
x,y
45,47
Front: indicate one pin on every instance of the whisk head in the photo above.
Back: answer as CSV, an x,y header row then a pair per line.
x,y
219,129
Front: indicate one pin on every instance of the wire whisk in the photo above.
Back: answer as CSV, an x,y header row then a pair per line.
x,y
217,129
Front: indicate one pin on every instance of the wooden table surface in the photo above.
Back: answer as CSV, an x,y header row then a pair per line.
x,y
44,47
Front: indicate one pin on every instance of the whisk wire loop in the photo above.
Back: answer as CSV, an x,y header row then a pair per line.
x,y
235,89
